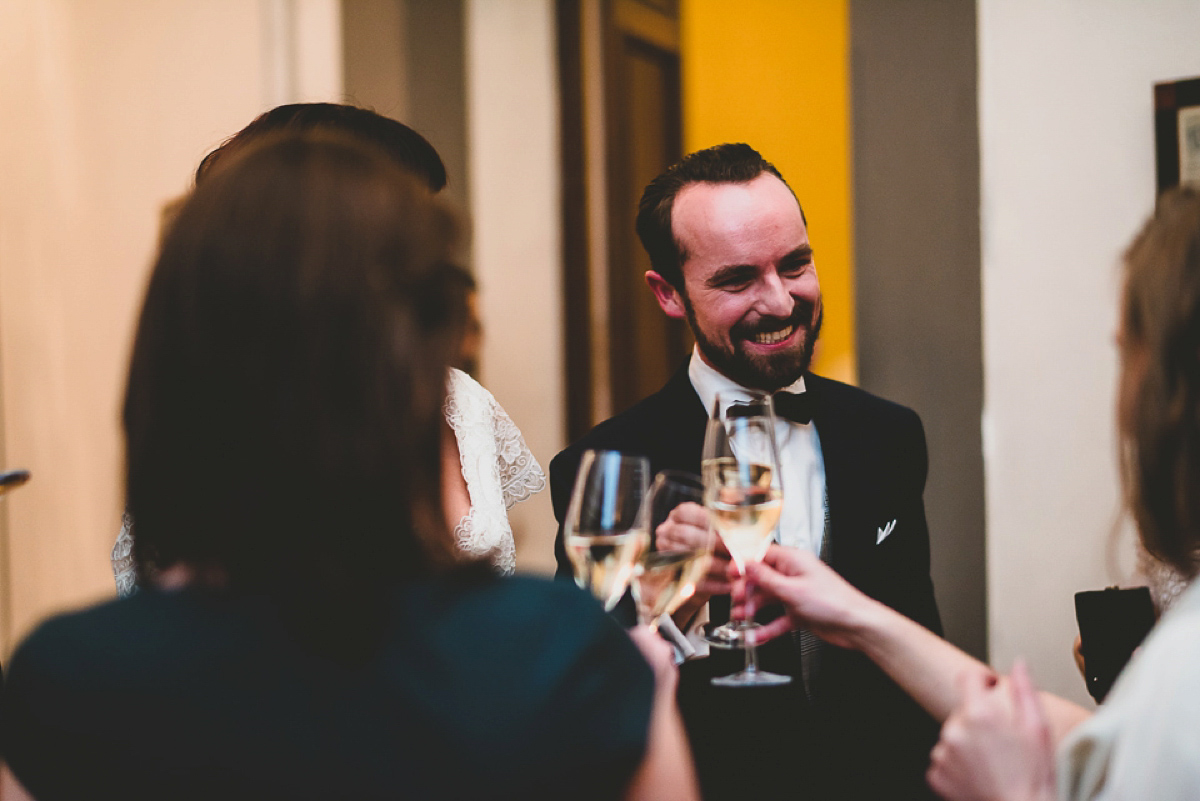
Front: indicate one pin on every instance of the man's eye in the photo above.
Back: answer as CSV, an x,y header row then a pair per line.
x,y
734,284
795,269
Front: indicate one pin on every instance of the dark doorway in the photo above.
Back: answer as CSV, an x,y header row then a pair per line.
x,y
621,107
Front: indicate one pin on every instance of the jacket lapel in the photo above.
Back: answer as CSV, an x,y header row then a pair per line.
x,y
841,452
682,420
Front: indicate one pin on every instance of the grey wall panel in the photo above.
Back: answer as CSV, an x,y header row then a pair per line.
x,y
437,90
405,59
917,256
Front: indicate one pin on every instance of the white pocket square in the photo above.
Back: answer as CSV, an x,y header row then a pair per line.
x,y
882,533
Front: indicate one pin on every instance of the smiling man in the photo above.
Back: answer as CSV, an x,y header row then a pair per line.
x,y
730,253
750,292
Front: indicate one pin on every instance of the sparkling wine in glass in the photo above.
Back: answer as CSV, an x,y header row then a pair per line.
x,y
606,529
727,406
743,492
667,576
745,508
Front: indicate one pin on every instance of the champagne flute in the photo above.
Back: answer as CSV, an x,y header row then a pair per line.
x,y
606,529
727,405
666,578
742,490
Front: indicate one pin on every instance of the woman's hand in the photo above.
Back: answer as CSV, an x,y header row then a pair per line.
x,y
996,746
666,772
812,594
659,654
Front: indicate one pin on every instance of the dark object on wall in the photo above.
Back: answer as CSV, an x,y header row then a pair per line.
x,y
1177,132
12,479
1112,624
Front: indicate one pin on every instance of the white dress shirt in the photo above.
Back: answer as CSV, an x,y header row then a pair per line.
x,y
802,475
802,468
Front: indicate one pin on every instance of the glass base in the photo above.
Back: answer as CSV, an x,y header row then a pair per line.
x,y
730,635
751,678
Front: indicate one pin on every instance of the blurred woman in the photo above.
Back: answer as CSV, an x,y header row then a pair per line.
x,y
309,630
486,465
1000,736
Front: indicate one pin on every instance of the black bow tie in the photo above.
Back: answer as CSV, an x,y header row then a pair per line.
x,y
794,406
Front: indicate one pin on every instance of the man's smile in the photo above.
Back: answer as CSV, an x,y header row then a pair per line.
x,y
770,335
773,337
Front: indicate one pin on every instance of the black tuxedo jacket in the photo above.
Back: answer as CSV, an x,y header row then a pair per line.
x,y
859,736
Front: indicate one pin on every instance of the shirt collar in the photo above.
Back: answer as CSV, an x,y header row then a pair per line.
x,y
707,382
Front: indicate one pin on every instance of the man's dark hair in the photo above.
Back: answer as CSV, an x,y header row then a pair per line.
x,y
283,412
723,164
404,145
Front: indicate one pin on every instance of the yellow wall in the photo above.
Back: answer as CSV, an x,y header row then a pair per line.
x,y
776,74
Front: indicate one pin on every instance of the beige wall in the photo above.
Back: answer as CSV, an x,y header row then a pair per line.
x,y
107,108
1067,157
512,116
117,102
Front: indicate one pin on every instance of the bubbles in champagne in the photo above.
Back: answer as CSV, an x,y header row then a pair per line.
x,y
665,579
604,561
744,505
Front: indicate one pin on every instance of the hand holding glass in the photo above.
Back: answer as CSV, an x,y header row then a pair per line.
x,y
742,491
728,406
667,576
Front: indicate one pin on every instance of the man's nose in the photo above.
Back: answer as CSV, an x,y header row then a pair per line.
x,y
773,299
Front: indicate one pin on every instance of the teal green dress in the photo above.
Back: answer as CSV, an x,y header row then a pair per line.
x,y
511,688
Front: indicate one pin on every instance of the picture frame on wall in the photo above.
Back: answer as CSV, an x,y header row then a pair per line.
x,y
1177,133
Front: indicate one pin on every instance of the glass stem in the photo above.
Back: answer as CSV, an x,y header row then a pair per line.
x,y
750,635
751,651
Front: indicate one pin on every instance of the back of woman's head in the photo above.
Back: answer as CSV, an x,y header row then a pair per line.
x,y
1160,407
284,397
402,144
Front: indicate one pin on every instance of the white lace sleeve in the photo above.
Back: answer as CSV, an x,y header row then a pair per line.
x,y
498,468
122,559
520,473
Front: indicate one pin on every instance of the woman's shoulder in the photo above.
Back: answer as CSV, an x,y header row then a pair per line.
x,y
462,388
1172,650
486,432
1144,739
88,627
114,638
528,626
528,602
541,658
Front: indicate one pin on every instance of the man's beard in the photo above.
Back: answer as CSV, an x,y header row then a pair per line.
x,y
767,373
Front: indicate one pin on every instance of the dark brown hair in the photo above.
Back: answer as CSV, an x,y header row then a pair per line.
x,y
722,164
283,409
1160,419
404,145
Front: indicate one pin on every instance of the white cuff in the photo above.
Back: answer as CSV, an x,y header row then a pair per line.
x,y
690,644
683,649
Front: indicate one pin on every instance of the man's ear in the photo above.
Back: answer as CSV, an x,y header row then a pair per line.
x,y
668,297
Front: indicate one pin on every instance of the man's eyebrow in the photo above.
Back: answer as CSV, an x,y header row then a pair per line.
x,y
731,273
736,273
801,255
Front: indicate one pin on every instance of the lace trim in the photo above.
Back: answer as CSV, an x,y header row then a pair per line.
x,y
497,465
470,540
123,569
520,474
1165,582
